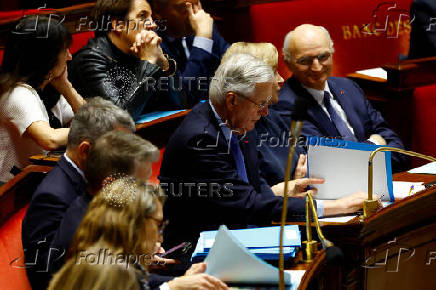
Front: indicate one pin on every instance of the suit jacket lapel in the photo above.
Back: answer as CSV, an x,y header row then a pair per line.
x,y
345,100
316,114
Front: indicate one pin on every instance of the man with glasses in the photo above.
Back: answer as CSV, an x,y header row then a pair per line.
x,y
337,106
210,168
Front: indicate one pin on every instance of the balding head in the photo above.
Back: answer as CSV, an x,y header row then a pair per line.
x,y
304,35
307,51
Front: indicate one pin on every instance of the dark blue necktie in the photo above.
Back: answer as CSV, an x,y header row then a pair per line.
x,y
239,158
339,123
180,54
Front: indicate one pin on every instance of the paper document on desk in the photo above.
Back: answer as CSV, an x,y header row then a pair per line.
x,y
377,72
403,189
231,262
345,169
429,168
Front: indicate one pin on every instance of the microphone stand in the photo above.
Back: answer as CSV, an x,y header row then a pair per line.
x,y
370,205
298,113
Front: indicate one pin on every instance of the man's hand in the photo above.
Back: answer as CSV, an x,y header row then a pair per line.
x,y
348,204
301,168
147,47
196,269
377,139
201,22
297,188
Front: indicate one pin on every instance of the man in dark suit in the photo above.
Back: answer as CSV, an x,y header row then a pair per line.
x,y
210,169
190,37
63,184
423,33
337,106
113,154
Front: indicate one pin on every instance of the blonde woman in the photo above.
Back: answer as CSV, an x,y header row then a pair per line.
x,y
125,220
98,276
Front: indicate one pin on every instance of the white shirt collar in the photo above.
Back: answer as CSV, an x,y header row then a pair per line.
x,y
225,129
75,166
318,95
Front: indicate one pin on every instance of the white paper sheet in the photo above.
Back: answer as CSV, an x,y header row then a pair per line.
x,y
429,168
340,219
377,72
232,263
402,188
346,172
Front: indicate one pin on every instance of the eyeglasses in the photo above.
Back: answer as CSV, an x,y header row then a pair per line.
x,y
308,60
260,107
161,225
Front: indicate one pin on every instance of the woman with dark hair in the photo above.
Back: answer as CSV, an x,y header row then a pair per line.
x,y
36,99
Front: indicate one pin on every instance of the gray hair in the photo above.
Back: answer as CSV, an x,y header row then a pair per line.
x,y
95,118
117,152
239,74
287,41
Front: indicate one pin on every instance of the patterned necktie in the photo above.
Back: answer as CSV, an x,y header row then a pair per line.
x,y
239,158
339,123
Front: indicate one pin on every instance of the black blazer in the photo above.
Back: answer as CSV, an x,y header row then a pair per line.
x,y
49,203
204,190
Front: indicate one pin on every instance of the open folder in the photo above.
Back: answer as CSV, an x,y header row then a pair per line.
x,y
231,262
344,165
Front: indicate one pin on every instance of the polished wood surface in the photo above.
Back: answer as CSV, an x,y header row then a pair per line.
x,y
161,120
411,73
372,247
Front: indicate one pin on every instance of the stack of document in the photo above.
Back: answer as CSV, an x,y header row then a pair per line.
x,y
231,262
262,242
429,168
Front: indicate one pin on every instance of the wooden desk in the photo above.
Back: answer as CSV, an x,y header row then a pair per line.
x,y
372,248
159,131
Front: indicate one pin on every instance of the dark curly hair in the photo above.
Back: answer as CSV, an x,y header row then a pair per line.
x,y
32,50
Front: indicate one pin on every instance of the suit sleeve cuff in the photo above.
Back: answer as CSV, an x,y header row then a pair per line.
x,y
164,286
320,208
203,43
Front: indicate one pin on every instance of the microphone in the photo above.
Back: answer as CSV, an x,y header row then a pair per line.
x,y
298,114
370,205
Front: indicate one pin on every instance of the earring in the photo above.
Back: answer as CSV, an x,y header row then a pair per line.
x,y
50,76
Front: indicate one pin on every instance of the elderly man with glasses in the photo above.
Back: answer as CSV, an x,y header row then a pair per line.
x,y
337,106
210,169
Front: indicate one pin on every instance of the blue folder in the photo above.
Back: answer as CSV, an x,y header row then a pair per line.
x,y
263,242
155,115
345,144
